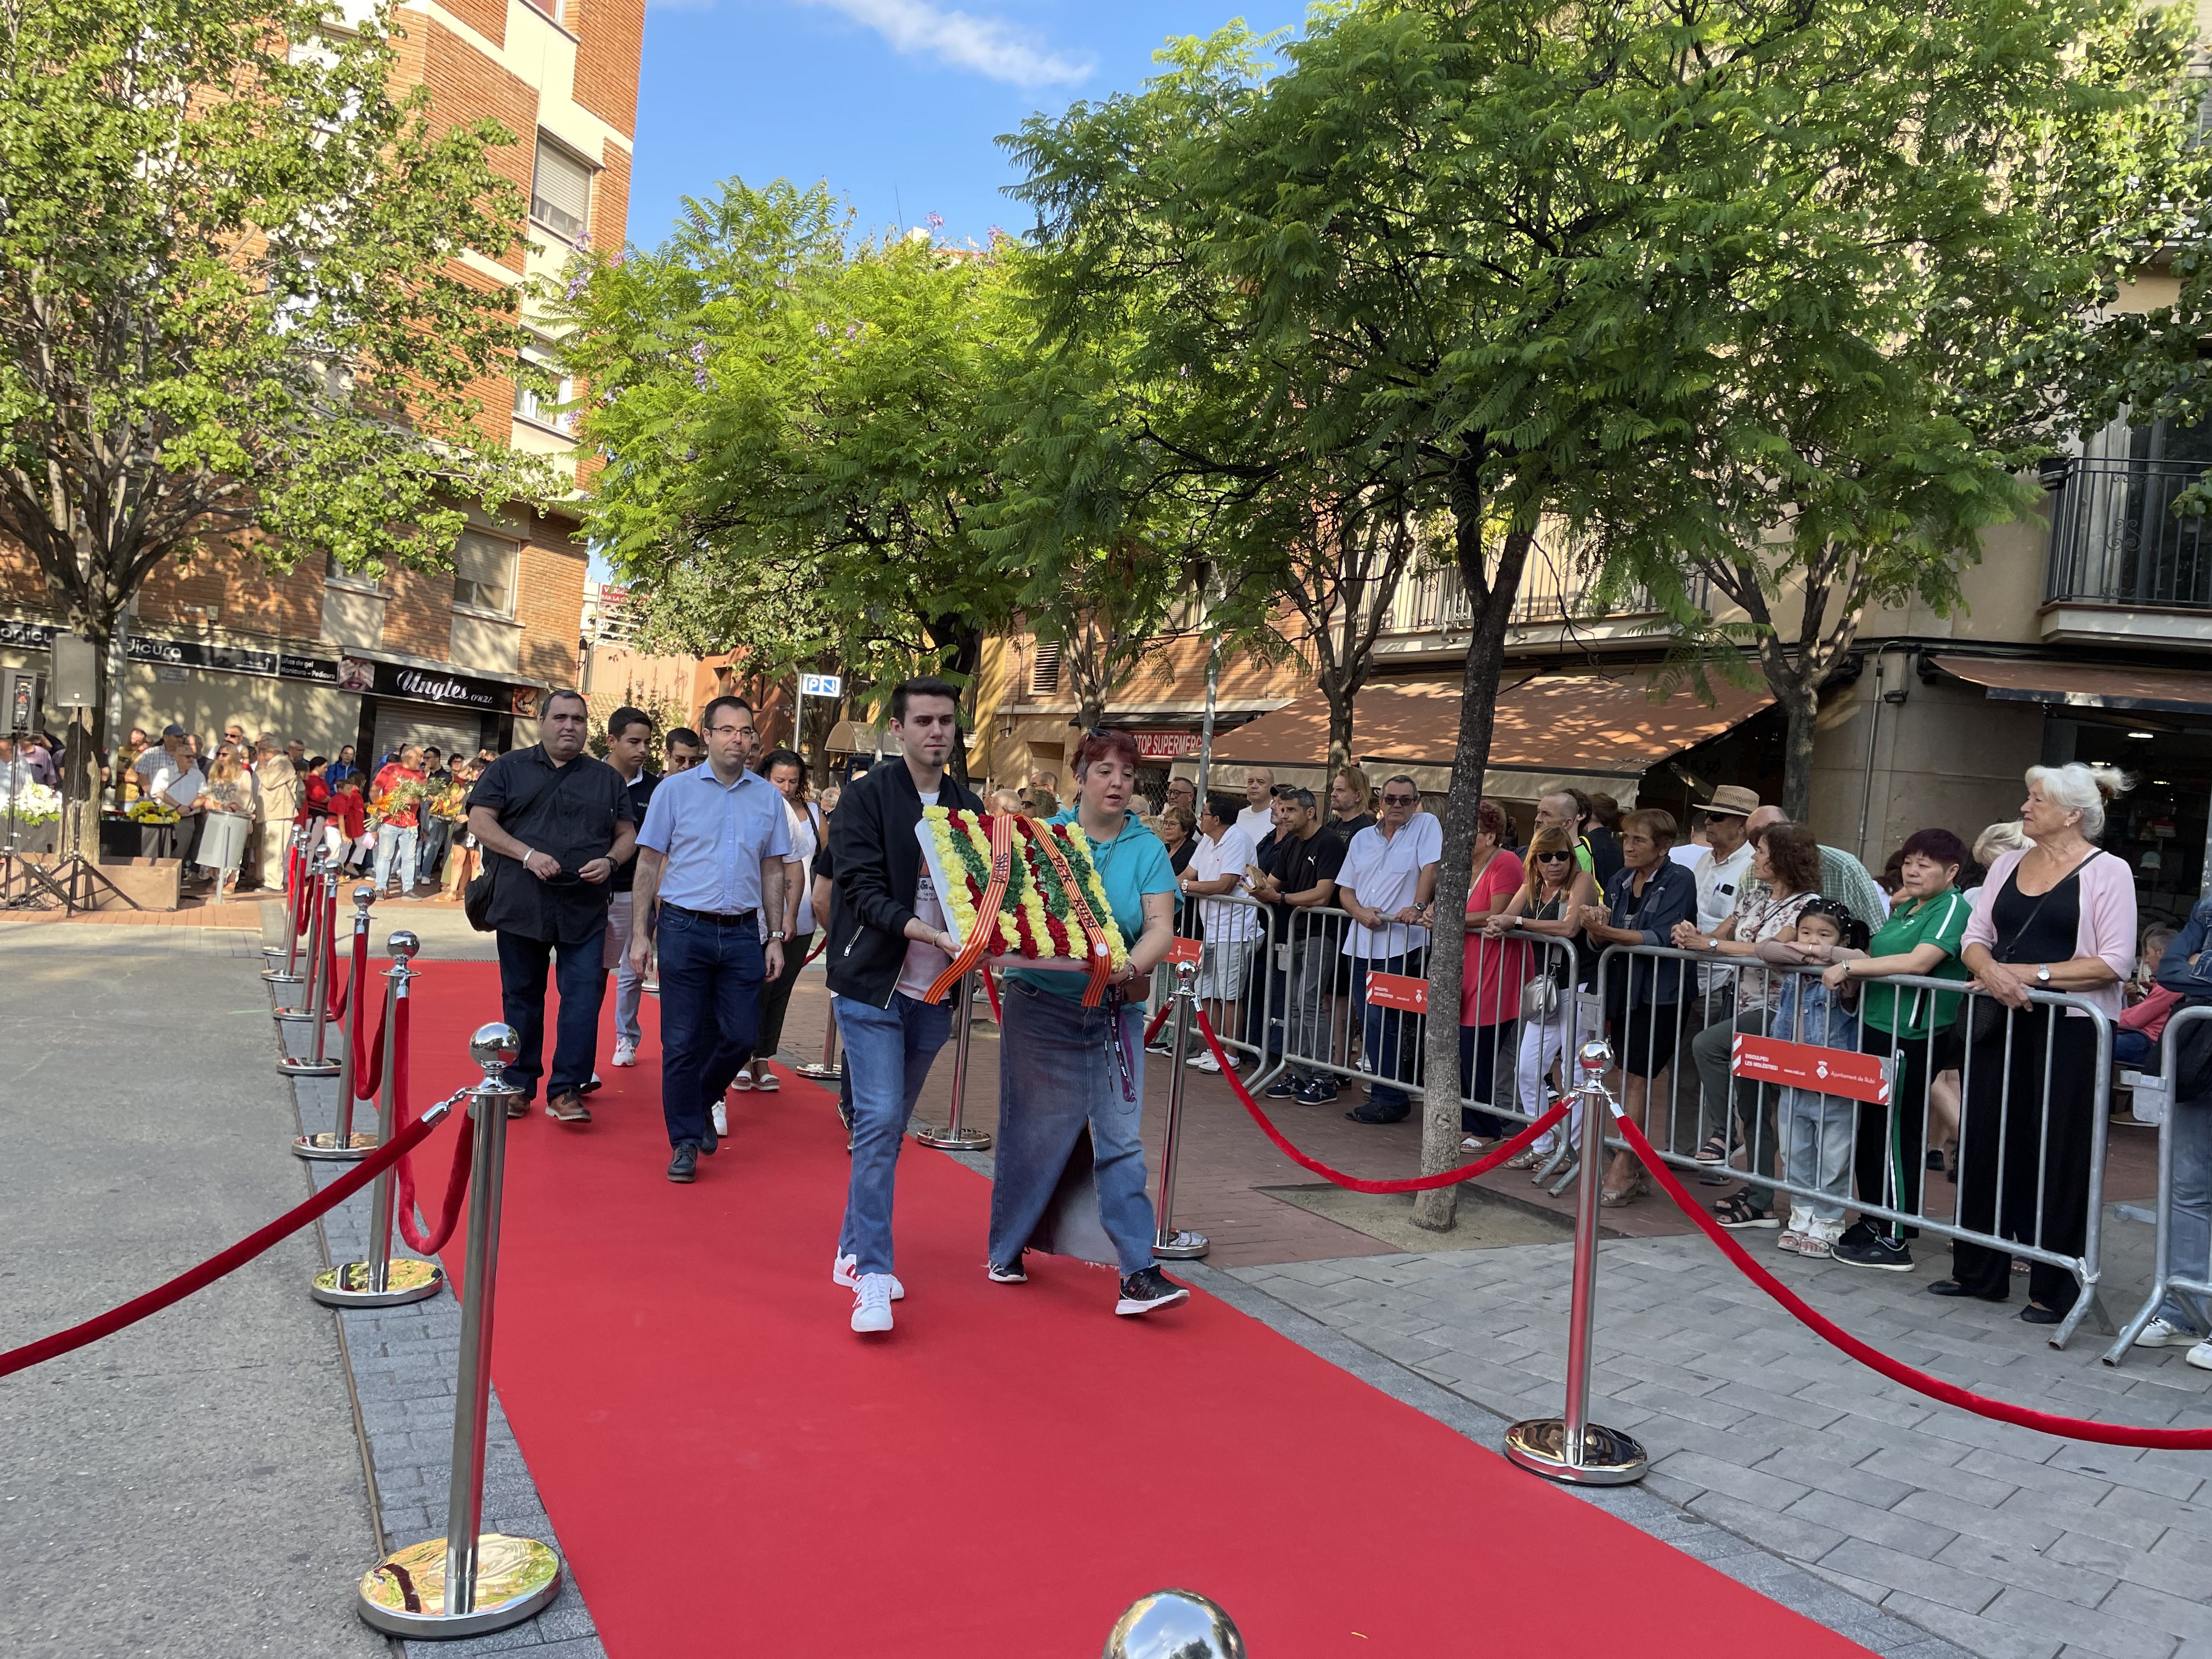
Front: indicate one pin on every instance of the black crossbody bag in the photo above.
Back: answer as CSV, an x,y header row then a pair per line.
x,y
1988,1015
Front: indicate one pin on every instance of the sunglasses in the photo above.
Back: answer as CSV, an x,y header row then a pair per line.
x,y
1402,800
1554,858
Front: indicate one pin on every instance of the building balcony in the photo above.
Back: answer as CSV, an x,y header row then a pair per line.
x,y
2125,565
1429,613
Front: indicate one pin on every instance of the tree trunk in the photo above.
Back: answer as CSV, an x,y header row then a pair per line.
x,y
1485,657
965,643
1340,731
1802,704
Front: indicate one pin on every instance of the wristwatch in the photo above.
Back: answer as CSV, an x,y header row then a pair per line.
x,y
2042,975
775,933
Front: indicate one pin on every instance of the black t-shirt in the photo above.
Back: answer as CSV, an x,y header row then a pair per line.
x,y
1343,829
640,790
567,813
1301,867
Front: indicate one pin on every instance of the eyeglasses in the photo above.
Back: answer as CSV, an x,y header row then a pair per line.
x,y
1554,858
1402,800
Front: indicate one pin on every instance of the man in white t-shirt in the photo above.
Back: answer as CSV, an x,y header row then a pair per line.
x,y
1386,885
1257,820
1721,874
1216,870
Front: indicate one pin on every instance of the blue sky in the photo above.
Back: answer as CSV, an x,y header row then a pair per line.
x,y
895,103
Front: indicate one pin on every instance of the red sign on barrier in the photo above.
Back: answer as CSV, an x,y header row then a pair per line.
x,y
1185,949
1806,1066
1399,991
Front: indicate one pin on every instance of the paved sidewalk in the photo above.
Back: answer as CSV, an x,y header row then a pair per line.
x,y
193,1485
2012,1544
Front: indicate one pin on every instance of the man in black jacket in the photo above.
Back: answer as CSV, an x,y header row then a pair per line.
x,y
888,941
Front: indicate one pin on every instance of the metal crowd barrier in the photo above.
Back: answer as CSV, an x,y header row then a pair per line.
x,y
2182,1272
1232,939
1997,1159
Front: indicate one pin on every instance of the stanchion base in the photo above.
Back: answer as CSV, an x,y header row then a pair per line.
x,y
1182,1246
405,1279
293,1016
951,1140
1610,1458
325,1148
405,1593
278,976
291,1067
815,1072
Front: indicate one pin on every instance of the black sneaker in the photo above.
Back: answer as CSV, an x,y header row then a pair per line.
x,y
1860,1232
684,1166
1159,1045
1890,1254
1316,1091
1372,1113
1010,1273
1149,1291
1281,1089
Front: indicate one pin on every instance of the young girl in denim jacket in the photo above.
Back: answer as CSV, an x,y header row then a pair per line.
x,y
1817,1131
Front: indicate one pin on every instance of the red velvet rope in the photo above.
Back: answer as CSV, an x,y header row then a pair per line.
x,y
303,909
1489,1161
2075,1428
355,970
820,946
1158,1020
991,990
216,1266
367,1054
456,1177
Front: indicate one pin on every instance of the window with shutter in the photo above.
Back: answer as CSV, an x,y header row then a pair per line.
x,y
560,191
541,405
1044,672
483,572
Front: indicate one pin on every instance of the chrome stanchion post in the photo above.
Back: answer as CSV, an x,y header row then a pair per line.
x,y
1179,1622
1571,1448
289,950
342,1145
315,1063
953,1138
383,1280
463,1583
310,871
1175,1245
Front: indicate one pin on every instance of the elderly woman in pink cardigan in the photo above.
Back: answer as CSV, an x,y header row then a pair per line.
x,y
2060,916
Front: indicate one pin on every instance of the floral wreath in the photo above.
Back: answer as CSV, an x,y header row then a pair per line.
x,y
1039,916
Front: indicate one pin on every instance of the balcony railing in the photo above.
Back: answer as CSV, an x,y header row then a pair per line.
x,y
1431,599
2116,538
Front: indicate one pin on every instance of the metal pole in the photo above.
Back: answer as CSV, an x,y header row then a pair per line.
x,y
953,1138
1571,1448
342,1145
466,1584
318,987
1177,1246
380,1281
294,872
310,871
1205,730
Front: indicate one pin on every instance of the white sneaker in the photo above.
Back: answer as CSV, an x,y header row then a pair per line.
x,y
2163,1332
872,1303
1203,1063
2201,1356
625,1052
846,1270
721,1118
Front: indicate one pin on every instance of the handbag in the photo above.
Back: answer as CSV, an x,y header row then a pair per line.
x,y
1539,997
476,898
1989,1014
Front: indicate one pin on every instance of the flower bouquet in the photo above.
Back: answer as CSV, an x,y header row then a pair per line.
x,y
399,798
1020,893
153,809
35,803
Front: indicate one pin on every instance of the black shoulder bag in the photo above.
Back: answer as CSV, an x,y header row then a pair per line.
x,y
1989,1014
476,898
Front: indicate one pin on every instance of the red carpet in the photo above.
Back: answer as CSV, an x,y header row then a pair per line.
x,y
731,1471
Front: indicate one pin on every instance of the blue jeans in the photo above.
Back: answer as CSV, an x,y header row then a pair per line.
x,y
390,839
436,834
1391,1036
888,1054
2188,1234
2135,1051
710,987
1057,1074
581,981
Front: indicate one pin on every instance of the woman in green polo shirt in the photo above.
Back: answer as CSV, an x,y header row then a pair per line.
x,y
1923,935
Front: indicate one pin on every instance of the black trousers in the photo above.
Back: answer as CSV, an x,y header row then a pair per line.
x,y
1889,1160
776,995
2019,1141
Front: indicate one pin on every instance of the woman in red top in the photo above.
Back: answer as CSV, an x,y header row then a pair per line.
x,y
1493,972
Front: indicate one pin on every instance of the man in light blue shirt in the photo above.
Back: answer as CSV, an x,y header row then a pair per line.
x,y
712,853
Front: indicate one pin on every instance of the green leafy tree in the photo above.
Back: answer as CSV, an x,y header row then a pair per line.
x,y
231,305
1499,255
802,436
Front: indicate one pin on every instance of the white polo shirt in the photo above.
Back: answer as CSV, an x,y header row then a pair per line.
x,y
1385,872
1226,924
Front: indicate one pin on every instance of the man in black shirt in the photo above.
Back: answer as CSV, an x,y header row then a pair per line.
x,y
554,823
1347,799
630,737
1303,877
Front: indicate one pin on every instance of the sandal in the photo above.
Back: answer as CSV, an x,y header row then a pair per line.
x,y
1717,1151
1736,1211
742,1084
1527,1159
1815,1246
1614,1198
769,1084
1791,1240
1475,1144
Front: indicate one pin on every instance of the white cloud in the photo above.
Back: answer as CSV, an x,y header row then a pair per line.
x,y
990,46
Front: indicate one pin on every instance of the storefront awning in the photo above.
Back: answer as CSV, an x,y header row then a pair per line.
x,y
859,737
1598,725
2084,685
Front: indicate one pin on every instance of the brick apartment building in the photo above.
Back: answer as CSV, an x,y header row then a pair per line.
x,y
458,658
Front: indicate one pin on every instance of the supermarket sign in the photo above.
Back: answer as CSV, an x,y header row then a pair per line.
x,y
1806,1066
1166,745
